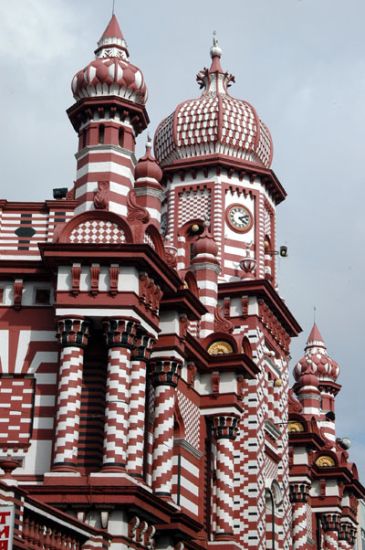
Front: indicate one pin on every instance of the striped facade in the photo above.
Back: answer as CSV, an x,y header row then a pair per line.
x,y
144,348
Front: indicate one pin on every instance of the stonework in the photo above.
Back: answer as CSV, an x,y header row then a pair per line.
x,y
144,348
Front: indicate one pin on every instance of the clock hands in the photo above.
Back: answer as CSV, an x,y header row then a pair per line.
x,y
243,218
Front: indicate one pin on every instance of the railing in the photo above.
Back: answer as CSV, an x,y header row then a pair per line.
x,y
42,534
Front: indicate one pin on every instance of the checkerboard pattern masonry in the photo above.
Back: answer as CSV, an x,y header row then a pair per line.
x,y
98,232
194,204
16,410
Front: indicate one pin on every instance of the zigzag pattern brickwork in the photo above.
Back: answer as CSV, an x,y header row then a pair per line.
x,y
68,406
117,407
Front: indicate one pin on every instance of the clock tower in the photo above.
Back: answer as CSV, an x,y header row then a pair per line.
x,y
216,154
219,217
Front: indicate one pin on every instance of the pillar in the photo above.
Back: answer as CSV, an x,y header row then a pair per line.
x,y
299,493
73,335
165,375
330,524
119,336
137,407
225,431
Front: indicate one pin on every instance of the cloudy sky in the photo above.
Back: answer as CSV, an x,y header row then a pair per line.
x,y
302,65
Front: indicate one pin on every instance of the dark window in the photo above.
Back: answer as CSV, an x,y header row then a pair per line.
x,y
101,133
121,137
42,296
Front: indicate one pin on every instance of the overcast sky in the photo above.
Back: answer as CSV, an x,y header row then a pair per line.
x,y
301,63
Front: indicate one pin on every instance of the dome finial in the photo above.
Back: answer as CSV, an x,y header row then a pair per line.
x,y
215,50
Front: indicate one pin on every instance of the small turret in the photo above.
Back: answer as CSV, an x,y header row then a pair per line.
x,y
147,186
316,376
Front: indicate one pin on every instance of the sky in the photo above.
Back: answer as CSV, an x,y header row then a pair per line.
x,y
301,63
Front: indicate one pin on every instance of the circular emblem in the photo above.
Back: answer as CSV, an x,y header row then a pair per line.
x,y
239,218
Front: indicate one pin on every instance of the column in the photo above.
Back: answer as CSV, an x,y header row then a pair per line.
x,y
119,336
225,431
330,524
73,336
165,375
136,433
299,493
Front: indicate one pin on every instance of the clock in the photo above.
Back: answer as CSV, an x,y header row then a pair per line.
x,y
239,218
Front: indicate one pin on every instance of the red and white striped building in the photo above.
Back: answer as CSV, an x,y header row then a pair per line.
x,y
144,348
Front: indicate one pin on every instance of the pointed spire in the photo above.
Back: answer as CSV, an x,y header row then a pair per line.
x,y
113,29
112,42
315,338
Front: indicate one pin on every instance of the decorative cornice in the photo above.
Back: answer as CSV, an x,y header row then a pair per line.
x,y
120,332
165,372
225,427
143,345
330,521
73,331
299,492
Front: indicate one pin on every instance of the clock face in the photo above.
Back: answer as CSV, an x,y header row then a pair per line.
x,y
239,218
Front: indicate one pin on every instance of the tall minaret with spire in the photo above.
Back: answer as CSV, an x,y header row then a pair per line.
x,y
108,114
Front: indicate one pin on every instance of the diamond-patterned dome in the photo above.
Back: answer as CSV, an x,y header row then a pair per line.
x,y
111,73
215,123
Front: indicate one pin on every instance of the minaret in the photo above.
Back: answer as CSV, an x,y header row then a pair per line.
x,y
109,113
316,376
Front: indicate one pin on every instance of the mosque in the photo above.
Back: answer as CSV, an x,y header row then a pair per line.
x,y
144,347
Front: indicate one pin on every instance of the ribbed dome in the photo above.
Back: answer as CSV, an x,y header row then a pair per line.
x,y
111,73
215,123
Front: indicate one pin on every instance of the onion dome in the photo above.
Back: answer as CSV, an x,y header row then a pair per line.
x,y
205,244
316,360
215,123
147,166
111,73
